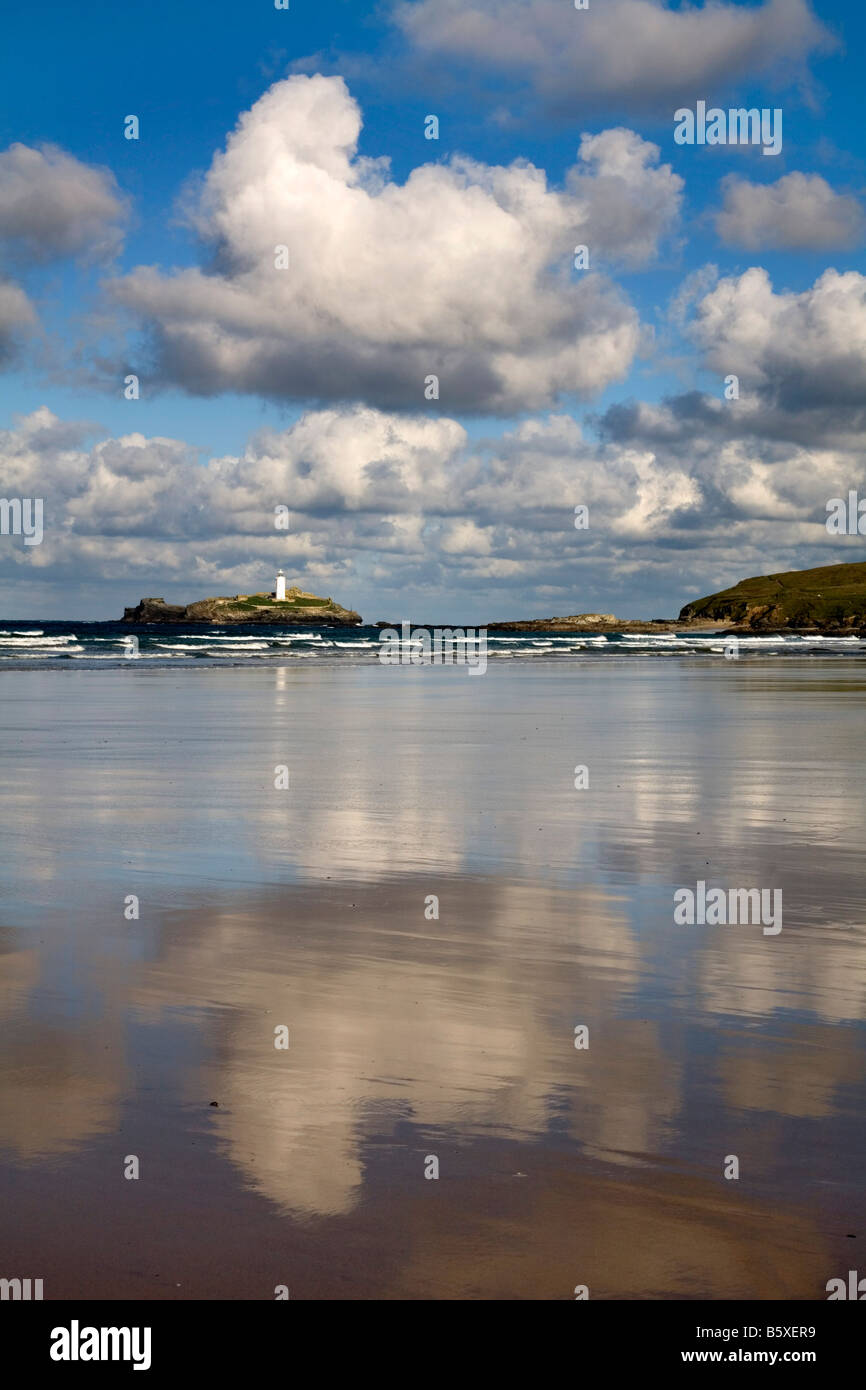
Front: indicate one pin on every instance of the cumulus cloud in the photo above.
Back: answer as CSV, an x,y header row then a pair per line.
x,y
800,356
52,206
381,505
768,461
17,317
465,271
633,54
798,212
741,471
394,509
628,203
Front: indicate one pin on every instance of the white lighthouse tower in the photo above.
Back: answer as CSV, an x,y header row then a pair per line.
x,y
280,594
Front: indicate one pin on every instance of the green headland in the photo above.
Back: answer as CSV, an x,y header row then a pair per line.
x,y
831,598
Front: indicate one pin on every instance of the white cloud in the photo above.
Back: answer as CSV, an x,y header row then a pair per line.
x,y
464,271
388,510
635,54
797,212
628,203
52,205
17,317
466,538
798,352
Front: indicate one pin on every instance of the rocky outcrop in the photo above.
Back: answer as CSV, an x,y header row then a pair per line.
x,y
576,622
258,608
596,622
154,610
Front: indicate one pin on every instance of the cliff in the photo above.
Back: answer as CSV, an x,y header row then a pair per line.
x,y
831,598
307,609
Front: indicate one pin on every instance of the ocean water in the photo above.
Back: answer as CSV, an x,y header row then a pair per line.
x,y
24,644
396,866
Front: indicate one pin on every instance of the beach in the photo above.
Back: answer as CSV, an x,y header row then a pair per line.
x,y
429,907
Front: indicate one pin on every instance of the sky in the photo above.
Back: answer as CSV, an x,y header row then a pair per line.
x,y
392,335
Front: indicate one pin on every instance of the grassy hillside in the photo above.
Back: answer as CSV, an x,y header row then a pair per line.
x,y
265,601
830,597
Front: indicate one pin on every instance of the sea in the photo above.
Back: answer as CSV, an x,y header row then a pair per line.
x,y
29,642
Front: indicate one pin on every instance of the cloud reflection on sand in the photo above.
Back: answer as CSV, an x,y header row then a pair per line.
x,y
411,1036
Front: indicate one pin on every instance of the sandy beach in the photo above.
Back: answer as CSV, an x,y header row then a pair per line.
x,y
413,1035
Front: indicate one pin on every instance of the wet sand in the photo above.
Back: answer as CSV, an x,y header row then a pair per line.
x,y
412,1037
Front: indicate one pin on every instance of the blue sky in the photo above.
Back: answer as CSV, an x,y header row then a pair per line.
x,y
190,71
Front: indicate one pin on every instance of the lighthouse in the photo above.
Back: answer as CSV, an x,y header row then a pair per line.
x,y
280,594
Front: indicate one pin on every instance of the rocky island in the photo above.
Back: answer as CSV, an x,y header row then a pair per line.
x,y
295,607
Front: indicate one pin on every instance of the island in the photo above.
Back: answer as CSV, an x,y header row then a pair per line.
x,y
292,605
